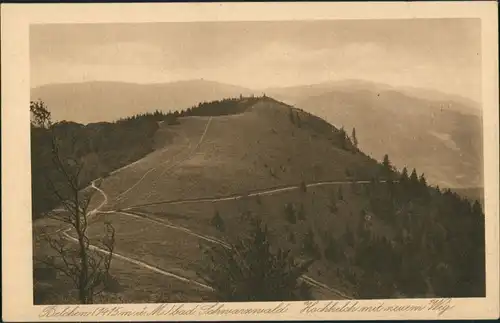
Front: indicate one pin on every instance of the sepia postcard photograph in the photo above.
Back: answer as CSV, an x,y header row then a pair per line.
x,y
258,161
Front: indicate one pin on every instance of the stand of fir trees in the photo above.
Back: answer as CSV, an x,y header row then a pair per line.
x,y
437,247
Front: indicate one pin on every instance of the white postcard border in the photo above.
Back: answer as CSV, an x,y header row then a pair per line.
x,y
16,194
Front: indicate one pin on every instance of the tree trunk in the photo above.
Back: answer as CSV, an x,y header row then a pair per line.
x,y
84,262
84,270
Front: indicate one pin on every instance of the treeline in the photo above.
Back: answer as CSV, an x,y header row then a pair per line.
x,y
101,147
226,106
169,117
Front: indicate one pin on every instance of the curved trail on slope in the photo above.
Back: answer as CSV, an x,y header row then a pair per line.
x,y
90,213
122,194
192,151
142,264
260,192
122,257
305,278
175,227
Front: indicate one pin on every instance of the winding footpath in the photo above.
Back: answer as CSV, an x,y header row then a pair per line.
x,y
304,278
175,227
192,151
122,194
125,258
260,192
92,212
142,264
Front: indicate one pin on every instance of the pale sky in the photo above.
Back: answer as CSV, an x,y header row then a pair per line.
x,y
440,54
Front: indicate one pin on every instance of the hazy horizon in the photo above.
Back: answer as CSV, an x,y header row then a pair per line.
x,y
437,54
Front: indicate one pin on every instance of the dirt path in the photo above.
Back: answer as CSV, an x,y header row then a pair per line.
x,y
100,206
92,212
175,227
122,195
95,211
193,150
305,278
230,197
142,264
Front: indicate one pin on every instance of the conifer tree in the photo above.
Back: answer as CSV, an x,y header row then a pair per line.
x,y
303,186
422,180
343,138
309,246
414,176
354,138
477,210
218,222
249,269
404,176
387,166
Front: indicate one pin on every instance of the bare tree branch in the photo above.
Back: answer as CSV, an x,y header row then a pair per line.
x,y
86,268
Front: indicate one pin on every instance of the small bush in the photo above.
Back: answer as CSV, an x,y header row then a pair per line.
x,y
112,285
303,186
301,213
290,213
218,222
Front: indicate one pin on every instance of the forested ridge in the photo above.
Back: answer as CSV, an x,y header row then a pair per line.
x,y
101,147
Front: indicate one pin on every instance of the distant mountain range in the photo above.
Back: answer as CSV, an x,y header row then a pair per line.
x,y
439,134
296,94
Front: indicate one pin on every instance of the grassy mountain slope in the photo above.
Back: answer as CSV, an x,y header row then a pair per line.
x,y
268,158
259,148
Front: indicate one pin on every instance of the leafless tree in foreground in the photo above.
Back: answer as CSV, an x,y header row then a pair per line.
x,y
87,266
